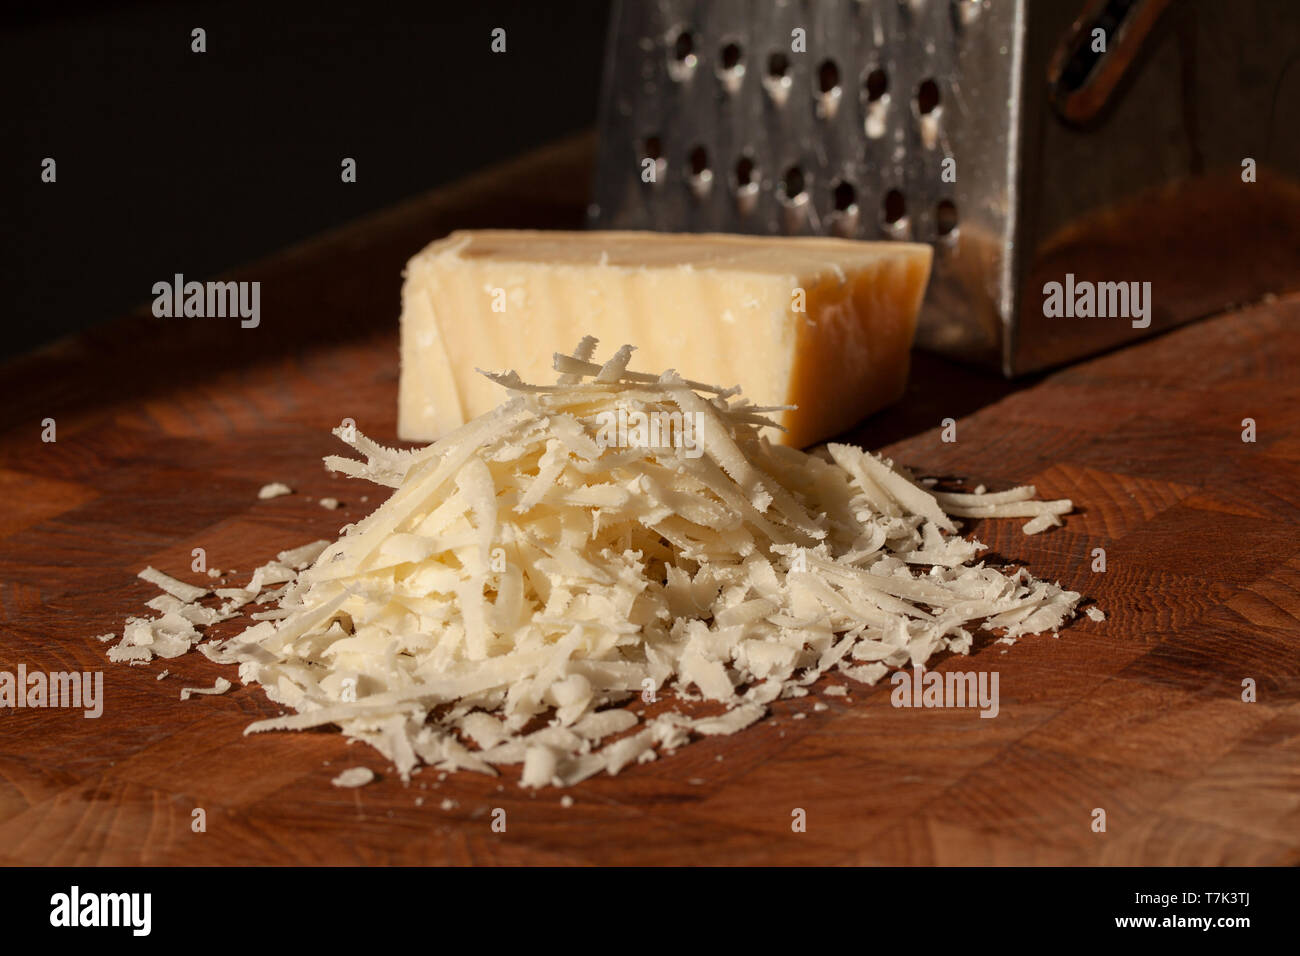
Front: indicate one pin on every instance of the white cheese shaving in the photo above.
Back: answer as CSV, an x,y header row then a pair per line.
x,y
122,652
528,570
1095,614
183,592
301,557
274,490
1041,523
330,504
220,687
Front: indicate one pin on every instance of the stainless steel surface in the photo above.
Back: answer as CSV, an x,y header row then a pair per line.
x,y
1063,159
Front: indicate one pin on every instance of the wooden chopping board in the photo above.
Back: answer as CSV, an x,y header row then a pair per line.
x,y
166,429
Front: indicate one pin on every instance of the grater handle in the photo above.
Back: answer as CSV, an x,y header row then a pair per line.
x,y
1081,79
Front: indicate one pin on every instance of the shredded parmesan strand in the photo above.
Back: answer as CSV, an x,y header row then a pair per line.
x,y
219,687
178,589
529,574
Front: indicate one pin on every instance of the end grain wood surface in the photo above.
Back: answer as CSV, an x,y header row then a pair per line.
x,y
166,429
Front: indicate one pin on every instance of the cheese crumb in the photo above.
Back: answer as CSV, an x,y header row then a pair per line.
x,y
274,490
329,504
1095,613
354,777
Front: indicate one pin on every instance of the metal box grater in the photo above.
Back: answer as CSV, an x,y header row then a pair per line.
x,y
1122,165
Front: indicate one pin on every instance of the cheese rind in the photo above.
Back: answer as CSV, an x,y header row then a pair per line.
x,y
717,308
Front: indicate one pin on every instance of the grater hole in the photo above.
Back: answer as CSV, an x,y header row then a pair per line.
x,y
700,179
966,11
777,82
793,185
895,208
945,217
699,159
731,66
828,76
684,48
927,97
746,171
844,216
844,196
828,89
877,85
681,58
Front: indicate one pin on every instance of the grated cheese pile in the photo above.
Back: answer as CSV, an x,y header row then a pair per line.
x,y
523,579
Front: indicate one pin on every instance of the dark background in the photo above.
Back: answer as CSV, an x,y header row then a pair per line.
x,y
172,161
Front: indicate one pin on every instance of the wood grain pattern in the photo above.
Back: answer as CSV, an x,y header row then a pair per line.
x,y
167,428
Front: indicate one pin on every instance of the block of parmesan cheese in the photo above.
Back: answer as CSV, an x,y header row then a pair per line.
x,y
824,324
